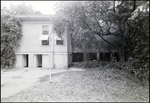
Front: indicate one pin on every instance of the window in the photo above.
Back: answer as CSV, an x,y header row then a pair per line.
x,y
59,42
45,42
45,35
45,29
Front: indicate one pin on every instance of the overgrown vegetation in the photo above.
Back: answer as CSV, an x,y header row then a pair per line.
x,y
119,25
138,44
87,64
11,33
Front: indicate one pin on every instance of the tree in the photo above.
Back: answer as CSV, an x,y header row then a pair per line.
x,y
10,37
88,19
137,43
100,18
126,21
21,9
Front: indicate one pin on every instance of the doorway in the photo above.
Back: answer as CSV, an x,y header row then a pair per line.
x,y
39,60
25,60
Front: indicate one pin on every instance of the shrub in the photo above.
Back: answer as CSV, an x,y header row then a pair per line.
x,y
11,34
87,64
8,57
138,68
90,64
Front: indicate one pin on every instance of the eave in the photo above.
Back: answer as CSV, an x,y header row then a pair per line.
x,y
35,17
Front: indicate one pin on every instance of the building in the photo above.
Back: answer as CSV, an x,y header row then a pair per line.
x,y
40,46
93,48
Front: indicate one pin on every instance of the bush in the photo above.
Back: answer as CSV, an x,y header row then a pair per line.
x,y
87,64
8,57
91,64
138,68
11,33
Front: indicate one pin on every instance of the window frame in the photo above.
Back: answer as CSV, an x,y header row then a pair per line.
x,y
59,40
45,30
45,41
48,30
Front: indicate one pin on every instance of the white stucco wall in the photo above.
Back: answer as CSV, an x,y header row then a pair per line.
x,y
60,61
45,61
30,42
18,63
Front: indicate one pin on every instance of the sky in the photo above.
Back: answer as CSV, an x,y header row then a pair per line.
x,y
45,7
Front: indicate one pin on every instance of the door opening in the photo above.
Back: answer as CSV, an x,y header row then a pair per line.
x,y
25,60
39,60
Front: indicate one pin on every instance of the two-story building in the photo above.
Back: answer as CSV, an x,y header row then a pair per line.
x,y
40,46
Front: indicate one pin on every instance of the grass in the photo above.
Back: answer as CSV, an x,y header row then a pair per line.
x,y
92,85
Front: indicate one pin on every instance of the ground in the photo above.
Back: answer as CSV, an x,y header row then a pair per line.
x,y
78,85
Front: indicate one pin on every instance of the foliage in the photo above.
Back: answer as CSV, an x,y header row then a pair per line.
x,y
11,34
138,68
98,18
87,64
138,43
126,21
21,9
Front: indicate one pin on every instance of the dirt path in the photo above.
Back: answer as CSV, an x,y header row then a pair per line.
x,y
13,81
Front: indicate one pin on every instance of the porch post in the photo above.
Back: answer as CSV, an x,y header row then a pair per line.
x,y
98,57
31,61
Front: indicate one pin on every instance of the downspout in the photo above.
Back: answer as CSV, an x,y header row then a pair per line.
x,y
50,75
67,46
53,51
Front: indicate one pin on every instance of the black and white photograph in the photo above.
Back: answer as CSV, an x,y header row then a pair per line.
x,y
75,51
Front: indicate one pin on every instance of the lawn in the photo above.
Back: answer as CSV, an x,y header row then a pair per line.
x,y
91,85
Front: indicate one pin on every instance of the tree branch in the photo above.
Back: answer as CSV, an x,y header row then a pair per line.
x,y
114,6
107,41
87,25
134,6
96,33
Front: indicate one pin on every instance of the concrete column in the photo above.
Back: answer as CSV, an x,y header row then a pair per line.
x,y
98,56
19,61
34,61
85,56
31,63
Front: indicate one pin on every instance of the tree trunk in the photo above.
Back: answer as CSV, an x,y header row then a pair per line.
x,y
85,56
121,54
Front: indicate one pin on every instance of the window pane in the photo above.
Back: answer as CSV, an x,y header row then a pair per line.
x,y
45,29
59,42
45,42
